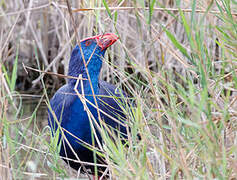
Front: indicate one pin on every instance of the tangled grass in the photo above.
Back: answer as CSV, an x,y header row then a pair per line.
x,y
177,59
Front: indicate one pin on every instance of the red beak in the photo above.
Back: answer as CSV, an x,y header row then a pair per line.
x,y
104,40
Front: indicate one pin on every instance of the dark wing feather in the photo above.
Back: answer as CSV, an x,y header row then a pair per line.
x,y
111,100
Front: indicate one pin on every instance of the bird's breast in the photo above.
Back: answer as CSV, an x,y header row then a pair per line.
x,y
79,121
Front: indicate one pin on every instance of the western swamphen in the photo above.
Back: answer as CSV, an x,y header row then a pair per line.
x,y
74,107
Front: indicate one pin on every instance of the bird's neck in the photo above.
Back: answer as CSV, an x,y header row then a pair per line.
x,y
85,84
90,72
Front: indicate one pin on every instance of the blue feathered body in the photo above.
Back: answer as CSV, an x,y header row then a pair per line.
x,y
76,131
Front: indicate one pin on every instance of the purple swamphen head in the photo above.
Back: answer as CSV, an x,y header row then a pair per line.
x,y
93,49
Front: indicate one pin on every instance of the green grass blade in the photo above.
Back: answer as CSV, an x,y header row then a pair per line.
x,y
187,28
14,72
176,43
193,14
151,9
107,9
6,74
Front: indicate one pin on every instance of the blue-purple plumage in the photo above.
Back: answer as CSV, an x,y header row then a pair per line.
x,y
69,108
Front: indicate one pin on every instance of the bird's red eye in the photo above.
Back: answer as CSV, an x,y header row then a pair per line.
x,y
88,42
